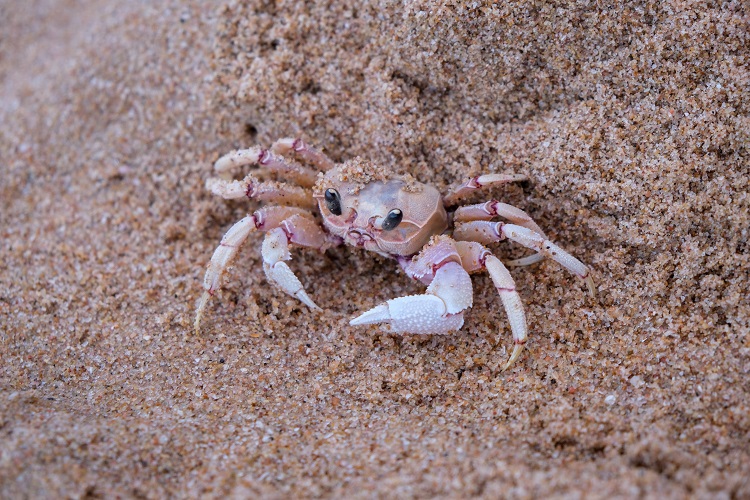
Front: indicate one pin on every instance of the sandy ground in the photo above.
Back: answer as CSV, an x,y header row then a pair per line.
x,y
631,122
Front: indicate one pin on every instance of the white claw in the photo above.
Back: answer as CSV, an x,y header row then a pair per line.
x,y
284,277
275,251
437,312
418,314
305,299
375,315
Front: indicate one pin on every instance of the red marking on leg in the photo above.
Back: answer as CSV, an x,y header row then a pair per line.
x,y
288,229
520,341
498,229
483,258
263,156
448,259
250,190
492,205
298,145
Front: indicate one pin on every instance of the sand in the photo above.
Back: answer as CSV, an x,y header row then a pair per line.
x,y
632,123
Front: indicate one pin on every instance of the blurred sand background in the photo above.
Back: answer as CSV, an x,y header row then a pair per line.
x,y
631,121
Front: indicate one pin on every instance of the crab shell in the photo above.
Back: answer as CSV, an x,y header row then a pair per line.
x,y
367,196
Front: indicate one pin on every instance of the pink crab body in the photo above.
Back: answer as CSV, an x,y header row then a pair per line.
x,y
397,217
366,202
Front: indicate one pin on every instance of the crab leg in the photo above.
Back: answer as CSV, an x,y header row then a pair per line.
x,y
493,208
304,151
299,230
476,257
250,187
479,182
265,158
489,232
440,309
506,287
472,255
296,223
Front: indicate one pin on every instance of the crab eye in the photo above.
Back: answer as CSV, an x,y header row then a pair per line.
x,y
392,220
333,201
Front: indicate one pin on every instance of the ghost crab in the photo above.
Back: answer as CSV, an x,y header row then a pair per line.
x,y
394,216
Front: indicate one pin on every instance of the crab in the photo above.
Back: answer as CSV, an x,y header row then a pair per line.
x,y
433,239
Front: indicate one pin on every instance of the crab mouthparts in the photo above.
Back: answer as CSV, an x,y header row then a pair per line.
x,y
359,237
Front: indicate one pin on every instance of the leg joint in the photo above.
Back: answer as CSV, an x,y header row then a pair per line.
x,y
263,157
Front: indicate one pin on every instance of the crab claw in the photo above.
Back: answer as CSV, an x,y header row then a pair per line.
x,y
275,251
419,314
436,312
284,277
